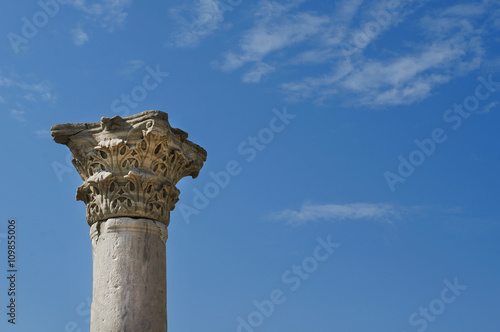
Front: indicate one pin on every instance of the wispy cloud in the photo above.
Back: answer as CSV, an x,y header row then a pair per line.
x,y
257,72
32,91
22,92
5,82
131,67
18,115
406,79
489,107
43,133
42,90
110,14
282,29
465,10
448,43
79,36
195,22
337,212
346,10
275,29
452,48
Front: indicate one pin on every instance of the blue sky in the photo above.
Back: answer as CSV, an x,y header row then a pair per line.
x,y
360,139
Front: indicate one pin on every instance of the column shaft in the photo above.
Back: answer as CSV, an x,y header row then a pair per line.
x,y
129,276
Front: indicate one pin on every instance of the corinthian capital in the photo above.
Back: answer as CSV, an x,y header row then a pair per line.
x,y
130,166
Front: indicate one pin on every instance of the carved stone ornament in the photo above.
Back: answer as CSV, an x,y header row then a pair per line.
x,y
130,166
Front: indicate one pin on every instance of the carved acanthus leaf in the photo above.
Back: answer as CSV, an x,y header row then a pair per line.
x,y
130,166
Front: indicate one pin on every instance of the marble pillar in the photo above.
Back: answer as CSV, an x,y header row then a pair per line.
x,y
129,168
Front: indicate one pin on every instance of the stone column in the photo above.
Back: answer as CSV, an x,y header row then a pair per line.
x,y
129,168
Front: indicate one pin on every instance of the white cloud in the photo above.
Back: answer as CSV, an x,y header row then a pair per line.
x,y
43,133
2,100
269,8
110,14
5,82
308,87
315,56
409,78
42,90
337,212
274,31
131,67
258,71
449,44
30,97
489,107
79,36
18,115
349,22
30,91
465,10
281,25
281,28
205,16
404,77
346,10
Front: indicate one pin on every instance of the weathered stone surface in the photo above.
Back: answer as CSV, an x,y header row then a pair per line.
x,y
130,284
130,166
129,169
